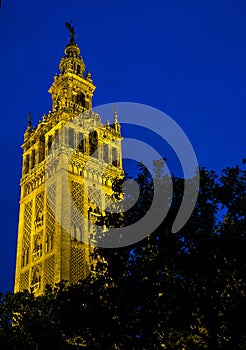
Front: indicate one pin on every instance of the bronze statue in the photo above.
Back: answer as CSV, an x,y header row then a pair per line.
x,y
71,31
29,119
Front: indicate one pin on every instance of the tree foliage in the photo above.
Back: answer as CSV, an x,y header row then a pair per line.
x,y
169,291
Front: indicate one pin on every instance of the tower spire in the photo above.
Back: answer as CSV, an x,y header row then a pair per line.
x,y
115,114
116,124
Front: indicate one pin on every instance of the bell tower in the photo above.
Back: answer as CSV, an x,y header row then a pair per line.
x,y
71,90
70,145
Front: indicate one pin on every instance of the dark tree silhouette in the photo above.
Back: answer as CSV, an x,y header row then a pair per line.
x,y
169,291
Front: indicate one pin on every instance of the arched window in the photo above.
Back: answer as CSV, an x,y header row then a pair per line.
x,y
37,250
25,257
39,219
56,144
73,232
115,160
26,164
78,234
48,243
81,99
42,138
33,159
93,141
41,153
81,145
71,137
36,278
81,238
49,144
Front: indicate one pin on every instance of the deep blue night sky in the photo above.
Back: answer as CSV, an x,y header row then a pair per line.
x,y
186,58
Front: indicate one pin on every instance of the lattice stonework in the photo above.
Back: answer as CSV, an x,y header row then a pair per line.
x,y
24,280
108,201
39,205
94,196
77,269
27,225
50,221
49,266
77,193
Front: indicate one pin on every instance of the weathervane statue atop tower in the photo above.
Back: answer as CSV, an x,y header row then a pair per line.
x,y
71,31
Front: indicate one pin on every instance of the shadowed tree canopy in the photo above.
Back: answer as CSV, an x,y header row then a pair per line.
x,y
169,291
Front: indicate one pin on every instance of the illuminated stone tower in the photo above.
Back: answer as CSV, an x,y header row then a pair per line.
x,y
51,233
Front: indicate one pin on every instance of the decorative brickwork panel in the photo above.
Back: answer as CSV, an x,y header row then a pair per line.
x,y
77,263
39,208
77,193
49,266
24,280
50,220
39,205
52,196
94,197
108,201
27,225
77,208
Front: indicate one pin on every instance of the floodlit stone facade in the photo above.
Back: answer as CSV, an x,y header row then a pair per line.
x,y
53,239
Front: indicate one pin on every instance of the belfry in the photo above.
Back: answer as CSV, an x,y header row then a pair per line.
x,y
70,145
